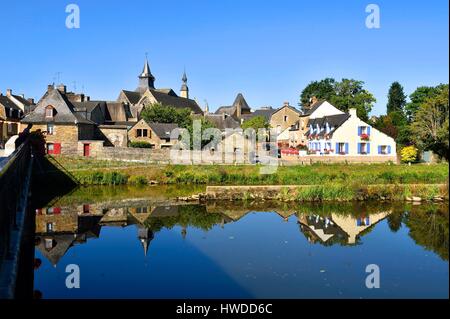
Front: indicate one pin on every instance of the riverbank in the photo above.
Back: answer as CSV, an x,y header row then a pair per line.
x,y
97,172
329,192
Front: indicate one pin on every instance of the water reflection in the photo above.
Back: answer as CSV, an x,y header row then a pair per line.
x,y
58,228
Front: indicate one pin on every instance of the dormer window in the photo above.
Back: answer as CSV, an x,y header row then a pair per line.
x,y
49,112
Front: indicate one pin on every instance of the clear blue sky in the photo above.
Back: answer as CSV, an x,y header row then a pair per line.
x,y
268,50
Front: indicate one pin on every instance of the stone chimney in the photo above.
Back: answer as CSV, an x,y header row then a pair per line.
x,y
352,112
8,92
31,100
62,88
50,87
286,103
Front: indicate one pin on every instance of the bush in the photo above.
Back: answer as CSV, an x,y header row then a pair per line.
x,y
138,180
140,144
409,154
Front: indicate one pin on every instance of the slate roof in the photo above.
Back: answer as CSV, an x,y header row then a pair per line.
x,y
334,121
238,101
22,100
266,113
313,108
163,130
165,97
176,101
65,111
117,112
7,103
132,96
222,122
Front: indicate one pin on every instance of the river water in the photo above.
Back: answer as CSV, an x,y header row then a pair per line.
x,y
141,243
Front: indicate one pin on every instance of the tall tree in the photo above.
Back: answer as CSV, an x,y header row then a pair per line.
x,y
345,95
321,90
418,97
431,123
396,98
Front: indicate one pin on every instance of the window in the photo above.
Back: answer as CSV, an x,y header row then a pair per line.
x,y
50,228
285,118
342,148
138,132
384,149
144,132
48,242
49,112
50,129
50,148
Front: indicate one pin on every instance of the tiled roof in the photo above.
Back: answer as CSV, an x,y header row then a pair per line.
x,y
6,102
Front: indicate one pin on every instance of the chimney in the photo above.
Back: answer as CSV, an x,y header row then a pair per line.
x,y
286,103
62,88
352,112
8,92
22,95
31,100
50,87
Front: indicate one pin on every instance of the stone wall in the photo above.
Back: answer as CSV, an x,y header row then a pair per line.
x,y
310,159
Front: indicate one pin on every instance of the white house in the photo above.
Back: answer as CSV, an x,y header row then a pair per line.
x,y
344,134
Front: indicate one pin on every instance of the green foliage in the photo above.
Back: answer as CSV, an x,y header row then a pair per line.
x,y
256,123
344,95
430,127
159,113
138,180
396,99
140,144
409,154
419,96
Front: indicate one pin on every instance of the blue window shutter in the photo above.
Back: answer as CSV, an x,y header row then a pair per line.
x,y
346,148
379,149
368,148
359,148
368,130
336,150
389,149
359,130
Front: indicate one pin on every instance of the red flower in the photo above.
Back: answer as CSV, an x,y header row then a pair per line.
x,y
365,137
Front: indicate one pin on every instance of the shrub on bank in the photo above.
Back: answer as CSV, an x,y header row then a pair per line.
x,y
140,144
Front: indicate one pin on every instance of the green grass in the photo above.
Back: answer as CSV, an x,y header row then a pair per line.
x,y
90,172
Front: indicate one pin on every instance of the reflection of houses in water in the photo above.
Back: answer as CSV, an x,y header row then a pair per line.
x,y
337,228
58,229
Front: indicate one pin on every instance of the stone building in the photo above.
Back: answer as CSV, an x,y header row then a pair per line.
x,y
238,110
12,109
156,134
69,126
146,94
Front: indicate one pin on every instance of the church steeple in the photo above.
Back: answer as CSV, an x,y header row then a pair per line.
x,y
146,78
184,91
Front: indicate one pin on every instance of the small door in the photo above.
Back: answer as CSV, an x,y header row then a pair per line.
x,y
86,150
57,148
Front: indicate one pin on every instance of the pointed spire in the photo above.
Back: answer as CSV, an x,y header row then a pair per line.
x,y
206,107
146,78
184,78
184,91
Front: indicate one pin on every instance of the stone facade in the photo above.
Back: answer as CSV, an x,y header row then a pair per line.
x,y
284,118
114,135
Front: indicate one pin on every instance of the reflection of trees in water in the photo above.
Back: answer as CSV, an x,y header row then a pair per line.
x,y
395,220
188,215
428,226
